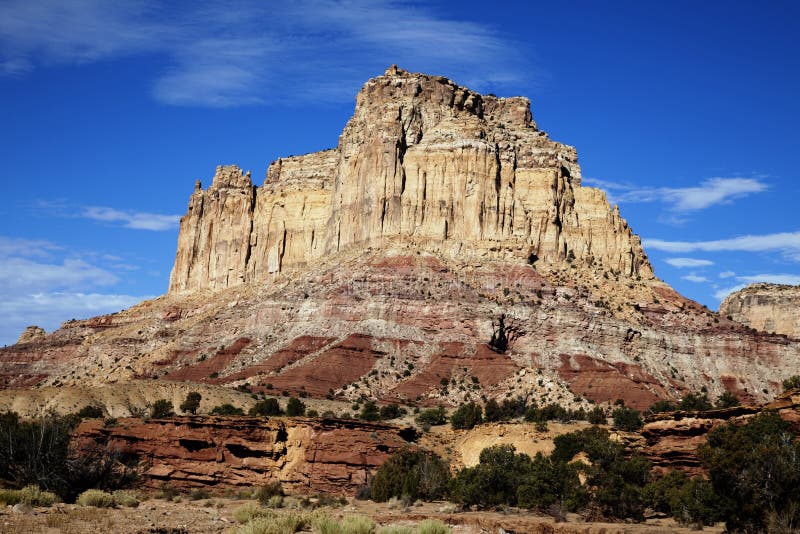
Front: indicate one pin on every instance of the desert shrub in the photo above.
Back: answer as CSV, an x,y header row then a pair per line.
x,y
433,526
227,410
161,408
513,408
466,416
616,479
390,411
90,412
37,452
166,492
276,501
727,400
357,524
597,416
393,529
627,419
369,412
32,495
126,498
295,407
266,407
755,470
494,481
363,492
541,426
250,511
793,382
690,501
198,494
267,491
325,524
432,416
9,497
551,483
96,498
662,406
492,411
411,473
695,402
192,403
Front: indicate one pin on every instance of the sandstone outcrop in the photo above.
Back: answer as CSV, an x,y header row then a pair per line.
x,y
672,439
772,308
423,163
305,455
31,333
376,269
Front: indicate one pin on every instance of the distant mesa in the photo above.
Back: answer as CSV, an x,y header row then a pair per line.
x,y
773,308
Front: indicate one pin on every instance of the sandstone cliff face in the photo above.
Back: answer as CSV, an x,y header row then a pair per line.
x,y
769,307
423,163
305,455
376,269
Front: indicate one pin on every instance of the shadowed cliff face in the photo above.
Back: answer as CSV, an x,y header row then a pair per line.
x,y
378,268
422,164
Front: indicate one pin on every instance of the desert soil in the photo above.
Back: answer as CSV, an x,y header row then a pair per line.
x,y
216,516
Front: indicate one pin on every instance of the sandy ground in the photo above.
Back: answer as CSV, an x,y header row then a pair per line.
x,y
216,516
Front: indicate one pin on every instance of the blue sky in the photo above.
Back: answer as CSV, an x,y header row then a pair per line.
x,y
685,112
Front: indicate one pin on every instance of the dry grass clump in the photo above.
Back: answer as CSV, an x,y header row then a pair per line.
x,y
29,495
250,511
96,498
395,529
433,526
126,498
352,524
278,523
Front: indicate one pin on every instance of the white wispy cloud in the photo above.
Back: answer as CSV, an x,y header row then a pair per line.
x,y
253,52
727,274
787,243
49,309
22,275
132,219
45,284
694,278
14,246
683,200
681,263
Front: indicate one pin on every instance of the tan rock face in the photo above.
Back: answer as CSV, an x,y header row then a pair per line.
x,y
423,163
771,308
31,333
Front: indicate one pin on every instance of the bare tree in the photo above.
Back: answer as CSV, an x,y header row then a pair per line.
x,y
505,331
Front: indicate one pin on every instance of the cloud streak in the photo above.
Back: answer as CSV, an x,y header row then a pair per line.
x,y
132,219
680,201
787,243
254,52
681,263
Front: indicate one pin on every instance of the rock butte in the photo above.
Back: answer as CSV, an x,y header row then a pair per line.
x,y
376,269
769,307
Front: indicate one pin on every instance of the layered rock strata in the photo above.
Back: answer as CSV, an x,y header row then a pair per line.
x,y
672,439
379,269
771,308
423,163
304,455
